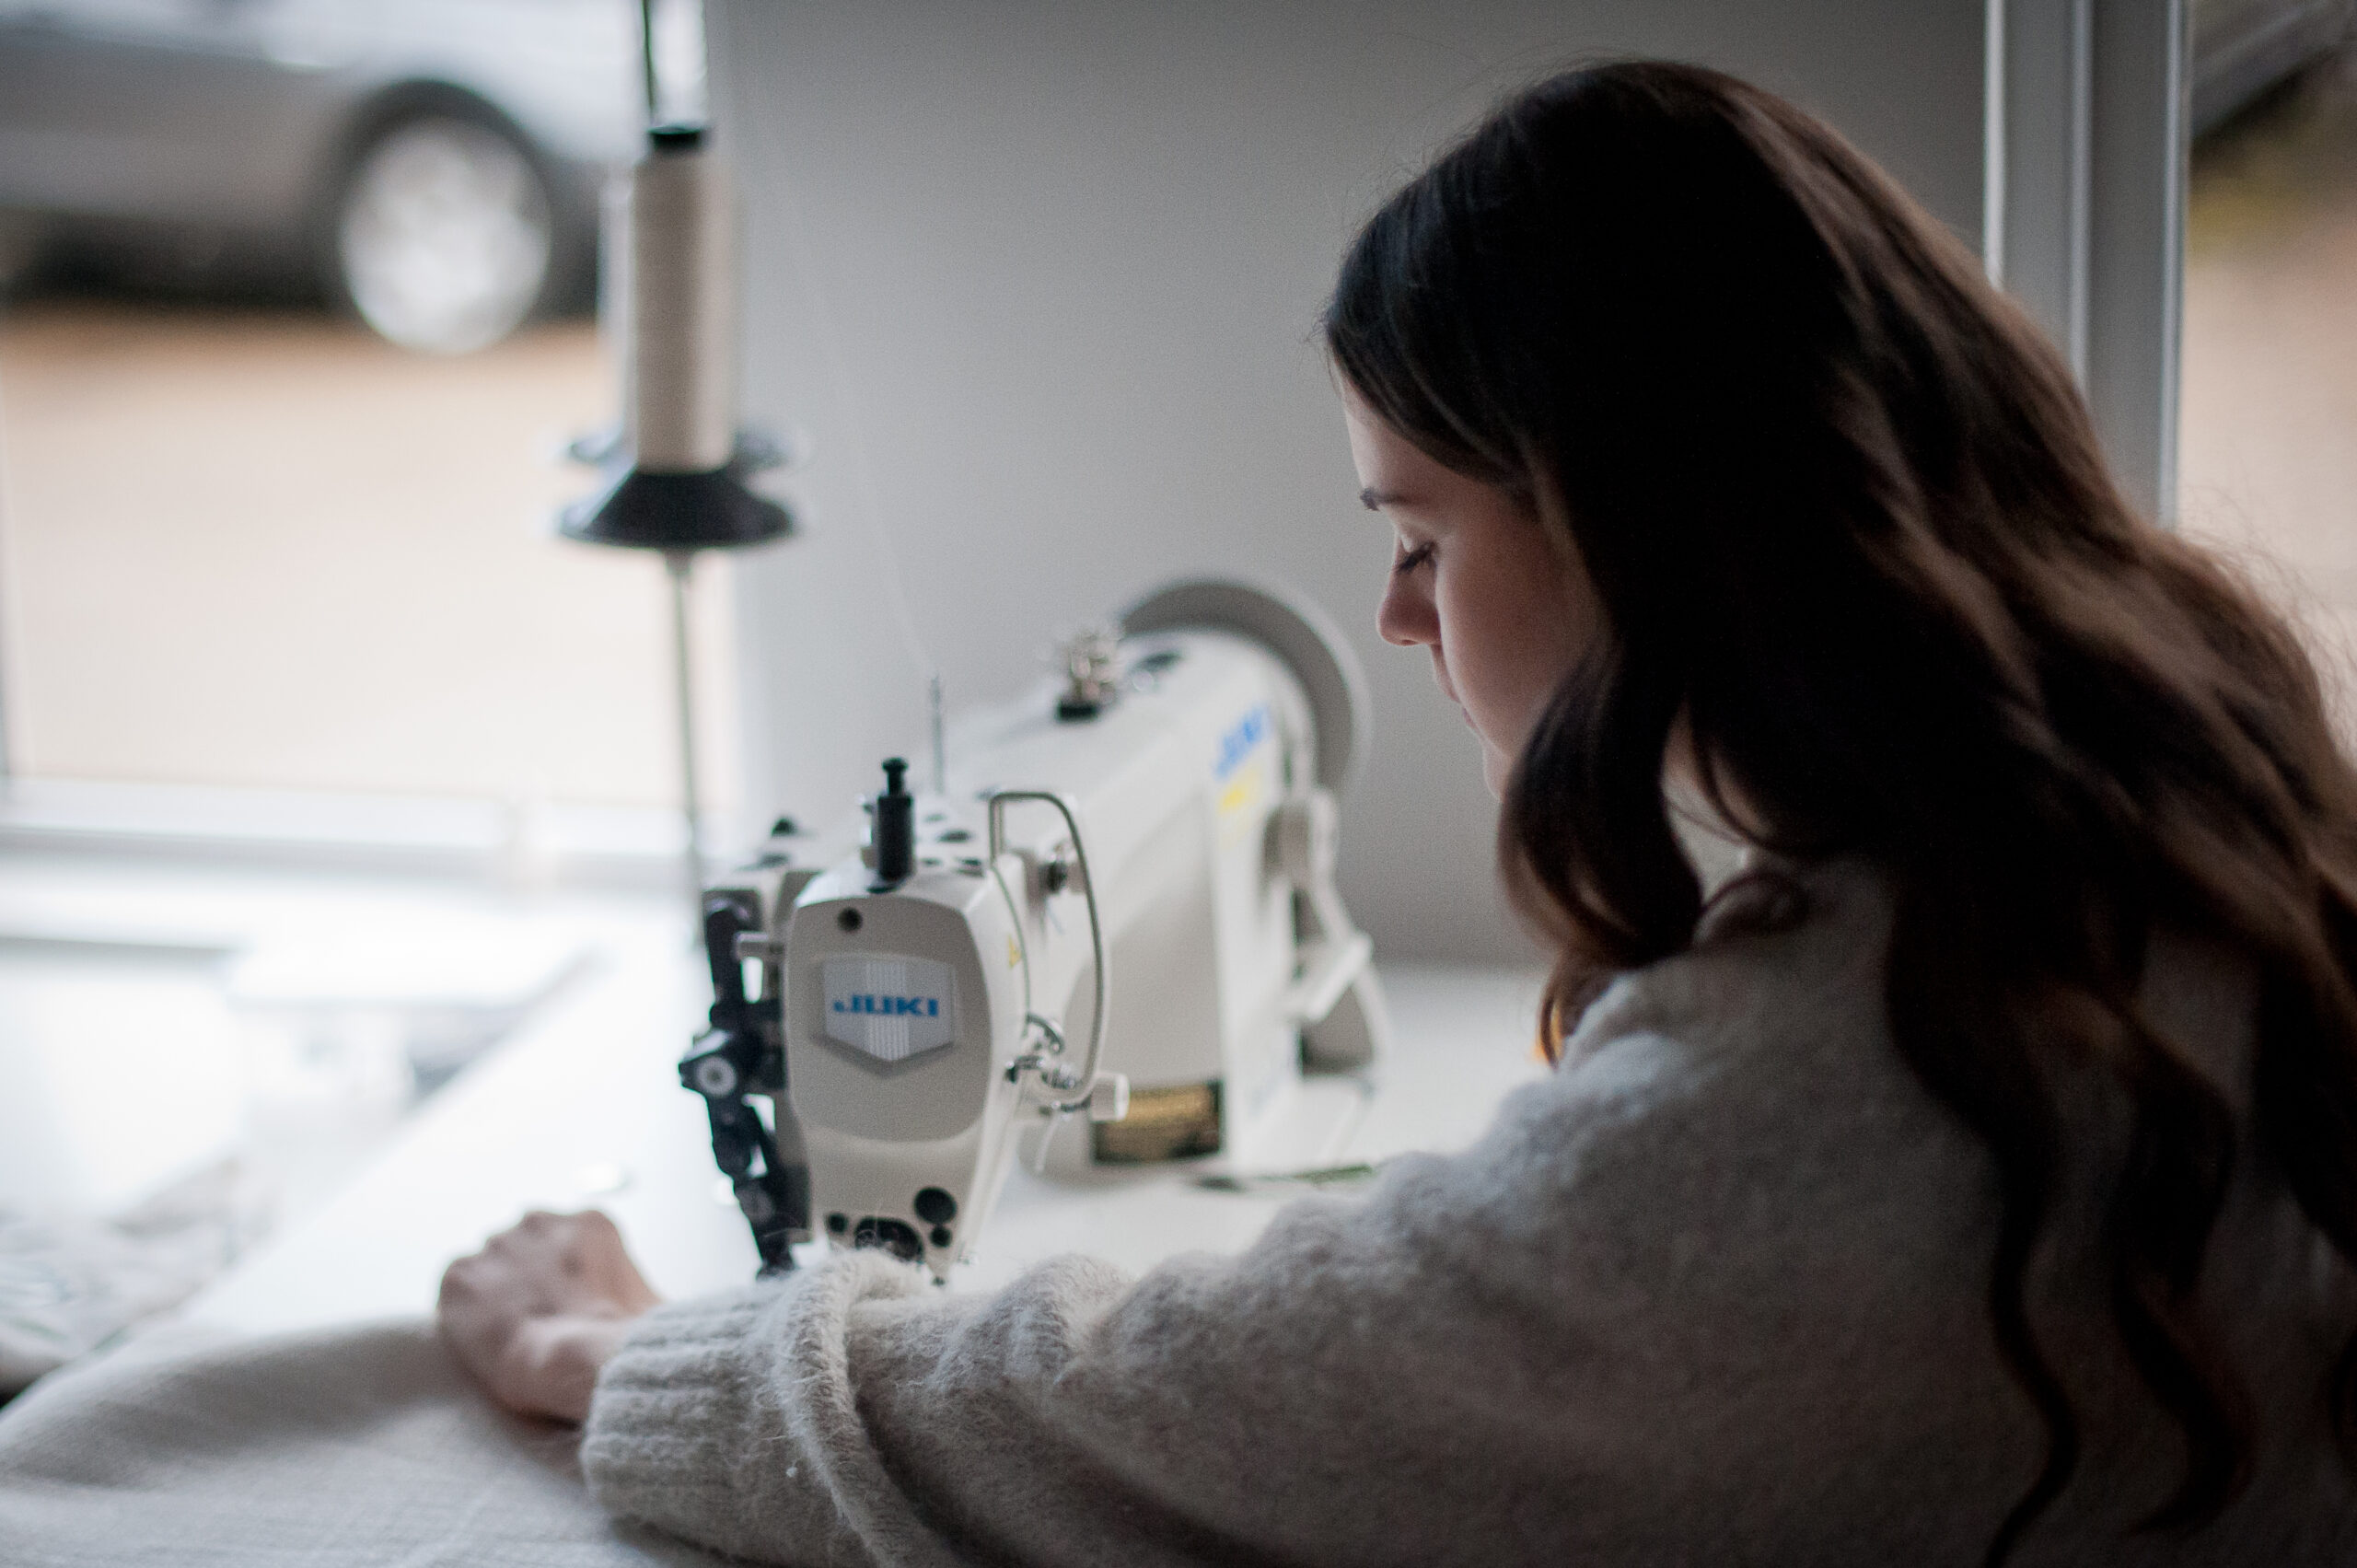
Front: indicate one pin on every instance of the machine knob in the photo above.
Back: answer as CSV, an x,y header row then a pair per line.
x,y
1092,661
1303,835
759,947
1108,1097
896,826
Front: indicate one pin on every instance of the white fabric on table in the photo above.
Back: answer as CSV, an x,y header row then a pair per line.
x,y
348,1446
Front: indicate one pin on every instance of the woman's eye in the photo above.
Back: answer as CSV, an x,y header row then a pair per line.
x,y
1412,559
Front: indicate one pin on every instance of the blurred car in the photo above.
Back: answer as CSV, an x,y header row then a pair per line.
x,y
2241,48
436,164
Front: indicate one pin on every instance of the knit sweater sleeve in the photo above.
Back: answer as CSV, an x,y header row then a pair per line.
x,y
1538,1340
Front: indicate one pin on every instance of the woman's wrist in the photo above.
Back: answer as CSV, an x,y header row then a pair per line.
x,y
557,1360
538,1313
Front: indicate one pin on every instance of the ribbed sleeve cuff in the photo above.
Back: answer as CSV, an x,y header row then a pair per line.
x,y
676,1414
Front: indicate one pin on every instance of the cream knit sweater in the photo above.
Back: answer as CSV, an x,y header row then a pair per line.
x,y
1713,1294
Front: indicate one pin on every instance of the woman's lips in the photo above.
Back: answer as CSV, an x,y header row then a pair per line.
x,y
1440,678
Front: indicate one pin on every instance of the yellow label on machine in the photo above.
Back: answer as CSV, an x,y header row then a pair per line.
x,y
1243,791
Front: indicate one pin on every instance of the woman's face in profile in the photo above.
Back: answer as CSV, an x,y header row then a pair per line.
x,y
1475,580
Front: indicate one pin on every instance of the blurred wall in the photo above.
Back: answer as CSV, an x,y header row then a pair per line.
x,y
2085,205
1038,278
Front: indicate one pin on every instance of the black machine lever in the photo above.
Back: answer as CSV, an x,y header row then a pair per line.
x,y
739,1055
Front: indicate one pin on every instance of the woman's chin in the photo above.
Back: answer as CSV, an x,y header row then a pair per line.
x,y
1496,768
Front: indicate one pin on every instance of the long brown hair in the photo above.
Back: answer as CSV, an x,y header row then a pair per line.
x,y
1847,521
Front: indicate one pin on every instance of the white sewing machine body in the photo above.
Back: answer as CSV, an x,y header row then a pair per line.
x,y
930,1021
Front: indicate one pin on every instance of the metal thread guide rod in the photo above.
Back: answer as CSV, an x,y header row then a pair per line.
x,y
677,564
940,750
675,480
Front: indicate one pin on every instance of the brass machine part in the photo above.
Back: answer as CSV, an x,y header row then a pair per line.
x,y
1175,1123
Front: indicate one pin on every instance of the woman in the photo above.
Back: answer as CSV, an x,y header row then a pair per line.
x,y
1974,1179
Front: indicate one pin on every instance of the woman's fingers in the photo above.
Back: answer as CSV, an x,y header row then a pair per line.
x,y
586,1251
575,1261
538,1309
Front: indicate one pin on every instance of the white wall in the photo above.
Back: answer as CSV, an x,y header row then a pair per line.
x,y
1040,278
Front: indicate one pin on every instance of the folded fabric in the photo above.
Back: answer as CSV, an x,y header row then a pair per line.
x,y
351,1447
69,1283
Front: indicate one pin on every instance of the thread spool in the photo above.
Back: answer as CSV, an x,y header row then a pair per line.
x,y
682,288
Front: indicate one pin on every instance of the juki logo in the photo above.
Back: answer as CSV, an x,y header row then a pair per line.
x,y
1241,737
889,1006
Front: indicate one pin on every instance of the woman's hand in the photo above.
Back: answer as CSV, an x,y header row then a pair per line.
x,y
543,1306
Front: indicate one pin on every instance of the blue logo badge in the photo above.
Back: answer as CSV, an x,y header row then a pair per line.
x,y
888,1007
1242,737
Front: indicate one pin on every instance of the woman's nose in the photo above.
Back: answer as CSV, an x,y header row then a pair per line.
x,y
1406,618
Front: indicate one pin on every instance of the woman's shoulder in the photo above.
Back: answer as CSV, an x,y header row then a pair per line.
x,y
1758,1060
1732,1129
1751,1081
1781,949
1793,957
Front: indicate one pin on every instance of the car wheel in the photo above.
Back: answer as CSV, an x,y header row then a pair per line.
x,y
24,247
444,234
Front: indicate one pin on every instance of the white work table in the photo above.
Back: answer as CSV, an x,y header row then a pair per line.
x,y
584,1109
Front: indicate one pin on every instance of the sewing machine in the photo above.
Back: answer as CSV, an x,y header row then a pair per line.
x,y
1111,905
